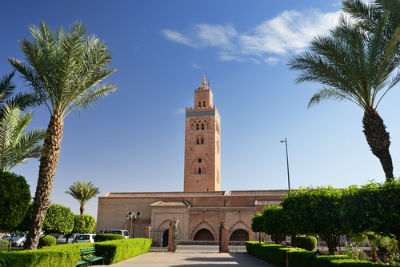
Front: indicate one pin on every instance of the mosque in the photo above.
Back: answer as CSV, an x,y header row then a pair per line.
x,y
202,206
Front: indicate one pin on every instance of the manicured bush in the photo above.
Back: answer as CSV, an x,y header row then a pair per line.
x,y
119,250
257,223
14,200
107,237
59,220
297,257
3,244
307,242
275,223
47,241
69,254
83,224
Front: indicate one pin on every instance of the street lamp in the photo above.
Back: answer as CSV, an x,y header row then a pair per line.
x,y
132,217
287,162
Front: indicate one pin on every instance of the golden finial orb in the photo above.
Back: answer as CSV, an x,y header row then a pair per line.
x,y
204,81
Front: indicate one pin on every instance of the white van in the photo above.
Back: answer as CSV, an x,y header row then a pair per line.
x,y
115,232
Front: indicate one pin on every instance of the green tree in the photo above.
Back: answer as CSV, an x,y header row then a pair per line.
x,y
83,224
373,207
17,145
257,224
275,223
315,211
355,65
66,71
83,192
59,220
14,200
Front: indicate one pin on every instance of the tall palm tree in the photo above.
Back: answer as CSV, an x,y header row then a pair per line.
x,y
17,145
66,71
83,192
355,65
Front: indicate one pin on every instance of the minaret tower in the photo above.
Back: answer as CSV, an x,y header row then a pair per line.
x,y
202,143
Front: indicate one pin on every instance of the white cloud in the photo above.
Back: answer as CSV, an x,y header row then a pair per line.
x,y
289,32
196,66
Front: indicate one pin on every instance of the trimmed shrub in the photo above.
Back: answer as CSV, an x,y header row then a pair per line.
x,y
69,254
107,237
297,257
83,224
47,241
307,242
3,244
14,200
59,220
119,250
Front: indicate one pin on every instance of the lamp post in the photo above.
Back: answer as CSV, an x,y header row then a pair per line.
x,y
287,162
132,217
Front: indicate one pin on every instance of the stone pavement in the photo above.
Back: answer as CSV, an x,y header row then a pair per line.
x,y
193,256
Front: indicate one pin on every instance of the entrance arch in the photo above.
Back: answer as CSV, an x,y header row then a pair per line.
x,y
204,235
165,238
239,235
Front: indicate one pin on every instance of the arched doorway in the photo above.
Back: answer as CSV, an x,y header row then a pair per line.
x,y
165,237
239,235
204,235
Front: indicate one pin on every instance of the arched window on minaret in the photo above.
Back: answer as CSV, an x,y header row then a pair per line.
x,y
199,161
198,140
199,104
199,170
202,126
197,126
204,103
202,140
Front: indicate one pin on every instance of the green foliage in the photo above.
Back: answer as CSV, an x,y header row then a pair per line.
x,y
83,192
275,221
47,240
3,244
373,207
257,224
307,242
107,237
297,257
59,220
315,211
83,224
16,144
119,250
14,200
68,255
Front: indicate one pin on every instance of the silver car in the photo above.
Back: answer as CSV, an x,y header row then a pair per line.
x,y
115,232
63,239
18,239
84,238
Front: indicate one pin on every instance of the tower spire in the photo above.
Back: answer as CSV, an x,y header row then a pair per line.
x,y
204,80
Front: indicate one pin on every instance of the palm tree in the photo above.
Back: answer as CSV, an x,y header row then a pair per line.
x,y
21,100
17,145
355,65
66,71
83,192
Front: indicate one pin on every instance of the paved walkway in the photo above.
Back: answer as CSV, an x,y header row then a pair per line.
x,y
193,256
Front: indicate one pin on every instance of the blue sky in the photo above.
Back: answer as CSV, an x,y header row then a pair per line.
x,y
133,140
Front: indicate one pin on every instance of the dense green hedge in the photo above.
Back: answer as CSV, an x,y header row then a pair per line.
x,y
47,241
107,237
307,242
119,250
276,255
69,254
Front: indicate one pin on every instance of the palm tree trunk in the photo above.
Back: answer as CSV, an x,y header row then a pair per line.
x,y
378,140
82,209
47,171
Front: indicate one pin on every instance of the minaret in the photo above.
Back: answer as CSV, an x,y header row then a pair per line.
x,y
202,143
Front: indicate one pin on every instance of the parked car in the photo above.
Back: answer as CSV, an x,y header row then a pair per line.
x,y
18,239
115,232
63,239
84,238
6,237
